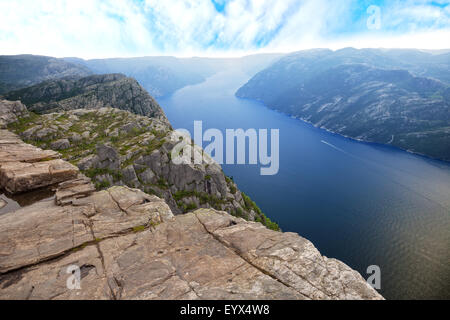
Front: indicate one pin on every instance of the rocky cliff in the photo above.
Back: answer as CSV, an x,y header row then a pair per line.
x,y
93,92
116,147
401,98
126,244
25,70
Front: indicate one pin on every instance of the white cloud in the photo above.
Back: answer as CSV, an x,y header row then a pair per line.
x,y
75,28
96,28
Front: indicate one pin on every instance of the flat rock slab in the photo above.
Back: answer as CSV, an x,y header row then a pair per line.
x,y
202,255
22,152
49,280
24,167
22,176
13,149
45,230
181,260
121,209
7,137
289,258
39,232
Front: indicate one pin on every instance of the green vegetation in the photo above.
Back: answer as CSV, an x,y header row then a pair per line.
x,y
92,173
24,123
102,185
186,207
162,183
203,197
231,185
139,228
154,145
260,216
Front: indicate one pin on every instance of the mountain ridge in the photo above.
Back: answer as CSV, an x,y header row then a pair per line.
x,y
361,100
95,91
163,75
19,71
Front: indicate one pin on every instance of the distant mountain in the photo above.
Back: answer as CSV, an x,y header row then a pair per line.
x,y
397,97
162,76
25,70
93,92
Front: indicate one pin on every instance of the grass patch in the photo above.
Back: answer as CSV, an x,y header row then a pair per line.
x,y
102,185
139,228
24,123
93,172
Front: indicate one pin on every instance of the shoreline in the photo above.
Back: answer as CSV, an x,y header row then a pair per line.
x,y
425,156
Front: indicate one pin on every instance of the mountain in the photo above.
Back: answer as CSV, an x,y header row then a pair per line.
x,y
96,91
117,134
25,70
162,76
158,75
396,97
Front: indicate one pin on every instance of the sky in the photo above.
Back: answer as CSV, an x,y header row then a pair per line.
x,y
184,28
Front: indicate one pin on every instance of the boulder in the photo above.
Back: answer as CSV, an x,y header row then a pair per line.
x,y
11,111
75,137
108,157
147,176
88,162
44,133
60,144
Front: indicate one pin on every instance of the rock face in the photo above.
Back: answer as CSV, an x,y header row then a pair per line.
x,y
45,230
24,167
21,176
391,97
126,244
93,92
69,191
202,255
115,147
10,112
25,70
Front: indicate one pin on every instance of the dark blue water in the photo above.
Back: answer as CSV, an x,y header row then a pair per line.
x,y
361,203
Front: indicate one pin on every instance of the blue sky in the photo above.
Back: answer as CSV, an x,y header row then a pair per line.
x,y
123,28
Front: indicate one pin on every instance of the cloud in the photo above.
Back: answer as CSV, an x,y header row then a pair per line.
x,y
75,28
98,28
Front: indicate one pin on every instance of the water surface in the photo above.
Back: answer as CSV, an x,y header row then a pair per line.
x,y
361,203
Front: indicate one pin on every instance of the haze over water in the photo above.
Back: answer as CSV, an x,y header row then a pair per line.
x,y
361,203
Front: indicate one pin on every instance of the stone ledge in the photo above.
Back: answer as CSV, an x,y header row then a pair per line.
x,y
206,254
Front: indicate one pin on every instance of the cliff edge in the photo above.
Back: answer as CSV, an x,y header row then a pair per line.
x,y
127,244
